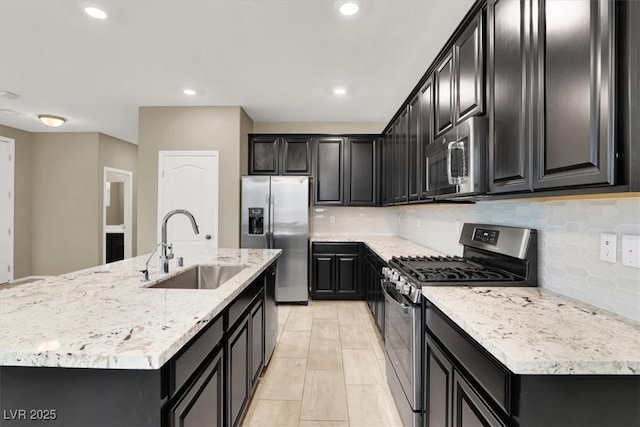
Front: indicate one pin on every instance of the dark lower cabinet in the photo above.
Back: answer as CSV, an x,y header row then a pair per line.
x,y
370,277
238,372
257,328
114,247
203,402
335,271
465,386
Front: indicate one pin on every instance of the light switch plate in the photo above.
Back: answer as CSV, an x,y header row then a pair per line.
x,y
608,247
631,251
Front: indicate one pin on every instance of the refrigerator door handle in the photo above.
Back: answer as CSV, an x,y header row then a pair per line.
x,y
271,220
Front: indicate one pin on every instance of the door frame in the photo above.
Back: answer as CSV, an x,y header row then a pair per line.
x,y
128,212
162,155
9,207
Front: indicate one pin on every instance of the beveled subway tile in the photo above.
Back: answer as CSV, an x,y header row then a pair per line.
x,y
324,398
299,321
355,337
325,329
361,367
284,379
293,344
325,355
371,406
272,413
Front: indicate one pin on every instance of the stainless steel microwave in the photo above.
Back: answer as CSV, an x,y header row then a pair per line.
x,y
456,162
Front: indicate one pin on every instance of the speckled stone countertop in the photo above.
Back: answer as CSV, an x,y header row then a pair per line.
x,y
105,317
535,331
385,247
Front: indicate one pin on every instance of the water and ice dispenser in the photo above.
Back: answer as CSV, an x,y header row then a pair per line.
x,y
256,220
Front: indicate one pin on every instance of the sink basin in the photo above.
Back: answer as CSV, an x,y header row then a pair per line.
x,y
201,277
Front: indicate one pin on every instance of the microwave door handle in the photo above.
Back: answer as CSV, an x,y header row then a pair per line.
x,y
449,163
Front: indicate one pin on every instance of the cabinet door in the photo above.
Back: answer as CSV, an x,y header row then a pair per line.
x,y
444,95
346,276
574,121
387,168
469,71
438,386
361,172
296,156
263,155
469,410
328,172
509,140
257,340
323,275
401,160
413,125
202,404
426,132
237,372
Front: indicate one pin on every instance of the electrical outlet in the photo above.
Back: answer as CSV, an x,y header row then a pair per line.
x,y
608,247
332,219
631,251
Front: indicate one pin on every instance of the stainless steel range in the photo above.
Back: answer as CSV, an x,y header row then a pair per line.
x,y
493,255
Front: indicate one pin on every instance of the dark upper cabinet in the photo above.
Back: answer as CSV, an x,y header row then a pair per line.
x,y
400,160
508,69
426,133
328,171
443,80
574,92
414,147
361,172
295,155
274,155
386,172
468,63
264,155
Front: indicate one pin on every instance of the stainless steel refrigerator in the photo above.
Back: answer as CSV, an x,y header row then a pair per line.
x,y
275,214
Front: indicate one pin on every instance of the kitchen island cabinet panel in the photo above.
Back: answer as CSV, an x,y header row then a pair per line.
x,y
237,386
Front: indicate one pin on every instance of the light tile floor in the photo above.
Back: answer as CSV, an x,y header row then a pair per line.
x,y
327,370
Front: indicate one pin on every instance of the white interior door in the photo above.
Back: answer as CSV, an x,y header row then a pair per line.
x,y
189,180
7,156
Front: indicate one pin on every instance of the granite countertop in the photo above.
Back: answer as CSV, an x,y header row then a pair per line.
x,y
535,331
105,317
385,247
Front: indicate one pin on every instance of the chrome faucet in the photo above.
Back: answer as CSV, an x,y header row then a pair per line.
x,y
145,270
164,256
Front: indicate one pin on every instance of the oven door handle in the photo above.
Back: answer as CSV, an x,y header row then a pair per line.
x,y
394,299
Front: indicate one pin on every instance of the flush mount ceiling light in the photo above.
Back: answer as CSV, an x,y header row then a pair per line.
x,y
52,121
95,12
189,92
349,8
339,91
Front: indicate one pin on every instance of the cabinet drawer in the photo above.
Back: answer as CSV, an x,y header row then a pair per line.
x,y
195,353
490,374
335,248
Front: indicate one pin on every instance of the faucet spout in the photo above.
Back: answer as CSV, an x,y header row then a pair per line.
x,y
164,256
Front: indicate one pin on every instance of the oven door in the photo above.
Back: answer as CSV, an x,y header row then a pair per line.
x,y
402,342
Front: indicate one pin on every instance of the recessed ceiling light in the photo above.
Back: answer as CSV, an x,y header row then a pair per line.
x,y
349,8
189,92
339,91
95,12
52,121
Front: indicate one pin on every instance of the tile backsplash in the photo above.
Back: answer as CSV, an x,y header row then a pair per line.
x,y
568,238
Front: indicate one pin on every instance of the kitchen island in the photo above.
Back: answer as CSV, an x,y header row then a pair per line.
x,y
100,347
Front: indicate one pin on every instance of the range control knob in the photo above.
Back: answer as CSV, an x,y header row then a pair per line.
x,y
406,289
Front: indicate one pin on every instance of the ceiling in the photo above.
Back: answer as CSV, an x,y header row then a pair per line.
x,y
278,59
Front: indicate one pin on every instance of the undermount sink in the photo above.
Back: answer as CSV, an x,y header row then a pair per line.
x,y
201,277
